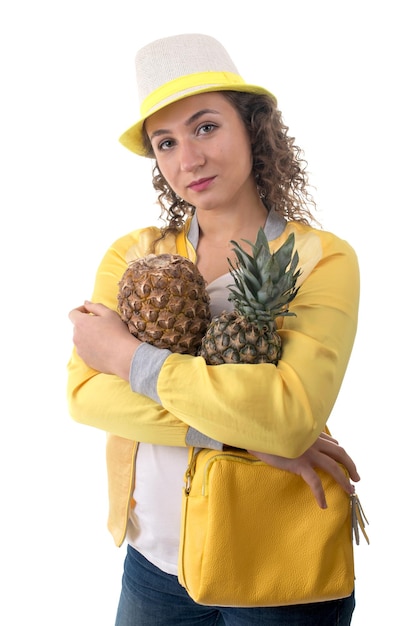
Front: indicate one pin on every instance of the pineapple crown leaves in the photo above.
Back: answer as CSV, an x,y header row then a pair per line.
x,y
264,281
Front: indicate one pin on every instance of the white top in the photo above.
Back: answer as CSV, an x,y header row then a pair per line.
x,y
154,523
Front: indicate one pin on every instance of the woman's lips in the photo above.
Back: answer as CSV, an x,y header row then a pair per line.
x,y
201,184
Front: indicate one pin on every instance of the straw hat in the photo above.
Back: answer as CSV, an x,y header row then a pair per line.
x,y
173,68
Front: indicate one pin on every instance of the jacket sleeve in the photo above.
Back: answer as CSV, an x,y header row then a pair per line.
x,y
283,409
106,401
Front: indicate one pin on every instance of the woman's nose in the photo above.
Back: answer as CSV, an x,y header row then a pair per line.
x,y
191,156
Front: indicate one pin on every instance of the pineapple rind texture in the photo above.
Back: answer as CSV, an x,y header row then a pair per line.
x,y
231,338
265,284
163,300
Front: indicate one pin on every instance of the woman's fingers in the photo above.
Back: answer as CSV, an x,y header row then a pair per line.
x,y
325,454
315,484
330,449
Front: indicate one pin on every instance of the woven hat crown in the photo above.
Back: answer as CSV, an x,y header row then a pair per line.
x,y
173,68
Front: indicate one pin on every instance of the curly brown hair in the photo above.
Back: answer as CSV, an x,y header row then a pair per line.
x,y
278,165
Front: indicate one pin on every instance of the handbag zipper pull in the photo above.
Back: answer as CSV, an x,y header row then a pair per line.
x,y
358,519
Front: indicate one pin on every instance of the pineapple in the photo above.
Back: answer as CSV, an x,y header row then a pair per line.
x,y
264,286
163,300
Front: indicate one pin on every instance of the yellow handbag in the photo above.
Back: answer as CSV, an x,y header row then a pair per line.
x,y
253,535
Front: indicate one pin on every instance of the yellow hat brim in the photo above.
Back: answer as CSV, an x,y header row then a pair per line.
x,y
178,89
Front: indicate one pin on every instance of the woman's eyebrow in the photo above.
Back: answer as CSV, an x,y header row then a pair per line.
x,y
198,114
190,120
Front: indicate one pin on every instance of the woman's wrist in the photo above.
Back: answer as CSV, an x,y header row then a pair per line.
x,y
124,355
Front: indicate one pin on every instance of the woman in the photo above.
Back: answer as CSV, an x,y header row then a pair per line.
x,y
225,167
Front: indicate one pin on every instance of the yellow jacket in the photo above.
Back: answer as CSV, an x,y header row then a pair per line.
x,y
280,410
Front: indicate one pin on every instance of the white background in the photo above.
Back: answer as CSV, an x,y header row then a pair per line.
x,y
68,190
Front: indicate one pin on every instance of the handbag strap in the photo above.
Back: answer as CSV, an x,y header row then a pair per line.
x,y
190,469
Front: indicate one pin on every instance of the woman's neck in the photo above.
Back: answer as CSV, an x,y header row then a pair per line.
x,y
219,228
216,232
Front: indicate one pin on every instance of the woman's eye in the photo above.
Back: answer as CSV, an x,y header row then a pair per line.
x,y
166,144
205,129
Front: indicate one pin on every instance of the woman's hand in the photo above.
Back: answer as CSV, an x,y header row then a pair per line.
x,y
325,454
102,339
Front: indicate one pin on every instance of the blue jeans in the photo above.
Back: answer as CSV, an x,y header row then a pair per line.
x,y
150,597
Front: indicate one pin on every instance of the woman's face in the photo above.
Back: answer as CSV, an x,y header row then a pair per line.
x,y
203,150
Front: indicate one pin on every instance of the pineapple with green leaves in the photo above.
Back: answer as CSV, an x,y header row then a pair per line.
x,y
265,284
163,300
